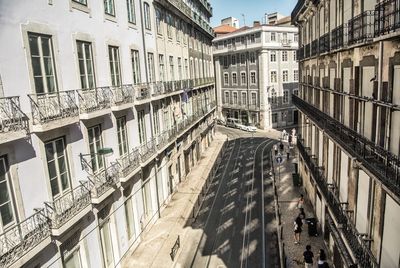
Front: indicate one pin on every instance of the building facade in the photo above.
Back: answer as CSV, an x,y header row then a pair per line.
x,y
256,73
349,126
106,106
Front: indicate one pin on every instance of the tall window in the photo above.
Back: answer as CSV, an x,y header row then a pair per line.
x,y
158,21
233,59
147,21
225,61
284,38
294,55
179,68
85,62
253,98
71,257
105,237
243,78
285,76
130,6
243,59
150,64
253,78
142,127
186,69
273,97
156,120
252,57
109,7
252,38
57,165
273,56
162,69
113,54
129,215
43,67
135,66
6,204
284,56
235,98
274,118
226,79
95,144
285,96
234,78
296,37
226,97
273,37
244,98
296,75
171,68
122,136
169,25
273,77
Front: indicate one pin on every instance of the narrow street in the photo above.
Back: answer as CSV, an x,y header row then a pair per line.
x,y
234,216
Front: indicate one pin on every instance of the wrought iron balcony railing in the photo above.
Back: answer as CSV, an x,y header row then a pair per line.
x,y
142,92
361,27
307,51
300,54
104,180
337,37
122,94
380,162
91,100
48,107
387,17
162,140
65,207
11,116
354,239
324,43
314,47
23,237
147,150
129,162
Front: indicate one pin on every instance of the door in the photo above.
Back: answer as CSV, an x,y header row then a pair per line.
x,y
367,88
171,180
395,120
178,168
295,117
106,244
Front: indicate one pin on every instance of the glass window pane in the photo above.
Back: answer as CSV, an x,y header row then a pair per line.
x,y
89,67
4,195
82,67
45,46
37,71
33,45
48,65
60,147
39,84
54,187
107,250
64,181
49,151
62,164
6,214
50,84
52,169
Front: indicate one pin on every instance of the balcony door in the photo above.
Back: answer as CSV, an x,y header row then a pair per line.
x,y
395,120
367,89
7,216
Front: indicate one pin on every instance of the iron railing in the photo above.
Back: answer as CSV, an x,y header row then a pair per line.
x,y
307,51
314,48
91,100
300,54
324,43
129,162
142,92
11,116
361,27
122,94
387,17
380,162
337,37
162,139
104,180
147,150
23,237
48,107
65,207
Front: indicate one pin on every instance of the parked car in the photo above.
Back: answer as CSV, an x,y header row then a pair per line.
x,y
232,122
248,128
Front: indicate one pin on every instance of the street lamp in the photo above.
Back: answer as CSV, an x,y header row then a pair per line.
x,y
102,151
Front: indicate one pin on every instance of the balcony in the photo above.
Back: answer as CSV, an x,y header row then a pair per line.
x,y
324,43
129,163
24,240
104,183
300,54
60,106
361,28
162,140
142,93
387,14
146,151
354,241
314,48
381,163
68,209
94,102
14,123
307,51
122,97
337,37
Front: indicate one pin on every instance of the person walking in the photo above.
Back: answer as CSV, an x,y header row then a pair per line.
x,y
276,149
322,263
298,224
308,257
302,215
300,202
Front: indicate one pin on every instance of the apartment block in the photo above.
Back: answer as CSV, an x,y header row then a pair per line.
x,y
256,74
349,126
105,108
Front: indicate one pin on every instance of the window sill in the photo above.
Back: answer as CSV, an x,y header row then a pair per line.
x,y
110,18
131,25
80,7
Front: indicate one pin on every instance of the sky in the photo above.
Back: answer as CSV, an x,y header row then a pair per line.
x,y
252,9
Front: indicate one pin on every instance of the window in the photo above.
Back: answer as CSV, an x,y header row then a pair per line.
x,y
82,2
294,55
273,97
226,97
273,77
243,80
226,79
284,38
113,54
156,120
158,21
252,38
225,61
244,98
169,25
43,67
242,40
285,75
129,216
95,143
122,136
161,64
274,118
171,68
296,37
105,237
142,127
135,66
284,56
252,57
150,64
109,7
296,75
285,96
57,166
234,78
273,37
186,69
179,68
147,22
273,56
253,78
72,258
295,92
6,205
85,62
242,58
130,6
235,98
233,60
253,98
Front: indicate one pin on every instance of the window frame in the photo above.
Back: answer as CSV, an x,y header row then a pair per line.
x,y
9,186
226,79
81,45
141,115
147,16
131,12
285,76
107,6
234,78
122,133
253,75
115,63
96,158
135,61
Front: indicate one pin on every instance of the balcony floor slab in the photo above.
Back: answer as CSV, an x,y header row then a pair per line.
x,y
38,128
121,107
32,253
99,199
71,222
12,136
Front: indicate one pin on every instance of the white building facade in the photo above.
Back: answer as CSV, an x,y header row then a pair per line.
x,y
94,136
256,73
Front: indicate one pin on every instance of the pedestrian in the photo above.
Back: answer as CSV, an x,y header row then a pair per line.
x,y
298,224
276,149
300,202
322,263
308,257
302,215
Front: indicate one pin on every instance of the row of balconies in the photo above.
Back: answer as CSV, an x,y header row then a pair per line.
x,y
85,104
362,28
63,212
240,105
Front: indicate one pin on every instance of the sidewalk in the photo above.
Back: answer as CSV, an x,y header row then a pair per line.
x,y
155,248
288,196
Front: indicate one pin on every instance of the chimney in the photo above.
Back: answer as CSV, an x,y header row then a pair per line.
x,y
256,23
